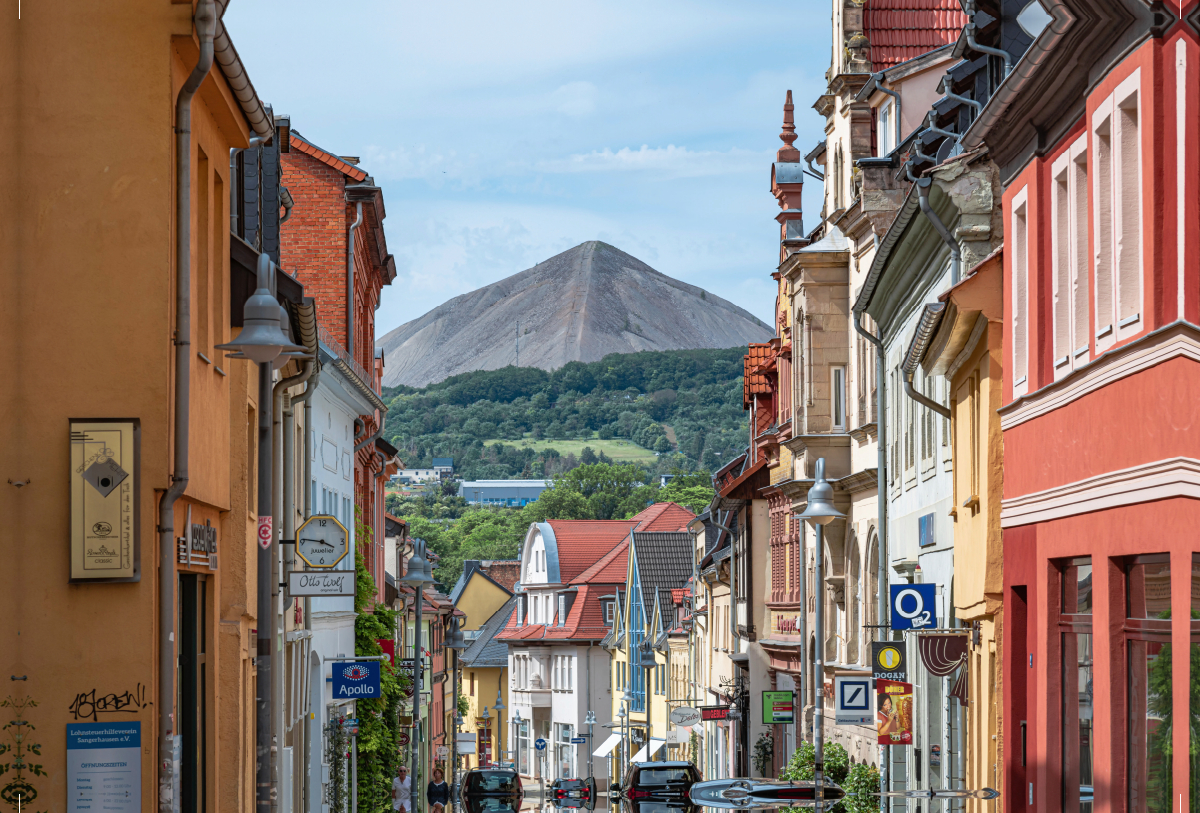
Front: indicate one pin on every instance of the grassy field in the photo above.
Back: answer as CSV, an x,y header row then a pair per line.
x,y
621,451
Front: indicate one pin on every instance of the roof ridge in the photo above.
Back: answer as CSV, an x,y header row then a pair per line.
x,y
308,148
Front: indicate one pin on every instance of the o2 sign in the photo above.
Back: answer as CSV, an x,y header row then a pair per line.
x,y
914,606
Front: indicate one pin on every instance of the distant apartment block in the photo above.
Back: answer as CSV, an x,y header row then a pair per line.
x,y
510,493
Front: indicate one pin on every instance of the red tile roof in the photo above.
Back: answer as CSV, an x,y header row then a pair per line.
x,y
327,158
583,542
754,383
612,568
664,516
585,621
900,30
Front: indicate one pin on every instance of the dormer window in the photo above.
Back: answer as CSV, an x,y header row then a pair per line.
x,y
610,608
562,609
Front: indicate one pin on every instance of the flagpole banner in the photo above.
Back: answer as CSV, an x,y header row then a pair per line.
x,y
942,656
894,712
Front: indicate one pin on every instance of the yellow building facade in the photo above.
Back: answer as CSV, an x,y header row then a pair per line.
x,y
967,350
88,292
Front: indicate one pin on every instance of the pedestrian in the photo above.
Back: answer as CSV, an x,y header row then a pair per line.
x,y
402,790
438,792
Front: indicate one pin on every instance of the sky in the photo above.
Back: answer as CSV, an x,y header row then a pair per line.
x,y
503,133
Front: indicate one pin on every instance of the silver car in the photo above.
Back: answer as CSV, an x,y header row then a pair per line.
x,y
748,794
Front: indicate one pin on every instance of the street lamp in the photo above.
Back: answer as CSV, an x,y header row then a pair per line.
x,y
418,577
262,338
645,659
457,642
498,707
820,512
624,732
590,721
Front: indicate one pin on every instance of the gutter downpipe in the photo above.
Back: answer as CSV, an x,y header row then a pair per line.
x,y
369,440
350,282
882,507
283,489
306,398
923,185
205,23
899,127
986,49
949,94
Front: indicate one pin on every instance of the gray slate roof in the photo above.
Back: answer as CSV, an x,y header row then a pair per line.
x,y
664,562
485,650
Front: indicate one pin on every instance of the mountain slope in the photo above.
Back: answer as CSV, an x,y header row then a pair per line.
x,y
580,305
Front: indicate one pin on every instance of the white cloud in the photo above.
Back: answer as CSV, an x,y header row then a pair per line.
x,y
669,160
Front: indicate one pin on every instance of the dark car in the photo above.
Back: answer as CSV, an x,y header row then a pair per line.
x,y
573,794
657,787
748,794
492,790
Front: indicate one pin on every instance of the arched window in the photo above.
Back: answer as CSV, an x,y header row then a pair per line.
x,y
854,599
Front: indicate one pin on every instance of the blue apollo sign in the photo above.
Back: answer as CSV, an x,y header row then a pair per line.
x,y
356,680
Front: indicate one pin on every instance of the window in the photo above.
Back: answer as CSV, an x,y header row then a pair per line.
x,y
887,128
838,398
1075,636
1116,135
1020,293
562,609
1069,235
472,692
1148,650
609,608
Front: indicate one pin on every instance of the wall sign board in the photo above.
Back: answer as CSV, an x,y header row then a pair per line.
x,y
104,482
104,767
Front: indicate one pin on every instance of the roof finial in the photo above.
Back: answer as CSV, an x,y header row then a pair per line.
x,y
788,153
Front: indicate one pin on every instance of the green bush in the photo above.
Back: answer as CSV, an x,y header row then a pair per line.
x,y
861,784
837,767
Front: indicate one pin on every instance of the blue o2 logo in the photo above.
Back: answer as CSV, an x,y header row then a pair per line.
x,y
914,606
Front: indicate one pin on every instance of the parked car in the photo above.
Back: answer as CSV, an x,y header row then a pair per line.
x,y
656,787
748,794
573,794
492,790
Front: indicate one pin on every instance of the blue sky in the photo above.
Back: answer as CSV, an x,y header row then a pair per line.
x,y
505,133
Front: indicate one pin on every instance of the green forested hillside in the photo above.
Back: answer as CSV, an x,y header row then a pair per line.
x,y
686,405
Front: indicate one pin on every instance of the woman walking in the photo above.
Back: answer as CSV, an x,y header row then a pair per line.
x,y
438,792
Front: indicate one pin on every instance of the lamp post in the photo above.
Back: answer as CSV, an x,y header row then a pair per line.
x,y
498,707
647,662
455,642
589,721
417,577
262,340
820,512
623,717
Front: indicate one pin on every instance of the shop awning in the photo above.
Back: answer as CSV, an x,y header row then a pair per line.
x,y
648,750
607,746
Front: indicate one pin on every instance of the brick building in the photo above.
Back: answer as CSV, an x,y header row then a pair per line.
x,y
333,240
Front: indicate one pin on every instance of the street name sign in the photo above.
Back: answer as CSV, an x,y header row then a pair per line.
x,y
322,541
321,583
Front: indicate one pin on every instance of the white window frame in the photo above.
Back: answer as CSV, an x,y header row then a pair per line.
x,y
1020,311
610,608
837,389
1074,278
885,128
562,609
1110,328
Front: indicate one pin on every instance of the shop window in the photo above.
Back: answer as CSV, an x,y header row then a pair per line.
x,y
1148,650
1075,638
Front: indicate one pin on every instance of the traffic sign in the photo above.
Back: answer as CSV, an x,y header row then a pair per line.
x,y
539,744
322,541
443,750
852,695
579,740
914,606
403,738
685,716
888,661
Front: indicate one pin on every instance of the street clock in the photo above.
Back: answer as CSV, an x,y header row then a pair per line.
x,y
322,541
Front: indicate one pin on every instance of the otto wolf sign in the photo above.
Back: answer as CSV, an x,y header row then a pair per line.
x,y
914,606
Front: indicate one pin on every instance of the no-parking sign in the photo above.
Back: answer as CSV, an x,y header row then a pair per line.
x,y
914,606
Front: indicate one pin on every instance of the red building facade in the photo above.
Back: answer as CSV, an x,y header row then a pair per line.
x,y
1093,134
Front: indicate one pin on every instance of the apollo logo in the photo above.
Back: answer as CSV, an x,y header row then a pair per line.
x,y
356,680
356,672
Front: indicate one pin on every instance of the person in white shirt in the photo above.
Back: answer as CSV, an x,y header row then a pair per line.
x,y
402,790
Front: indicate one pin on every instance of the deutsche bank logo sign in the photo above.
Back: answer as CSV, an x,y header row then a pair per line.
x,y
853,695
914,606
356,680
